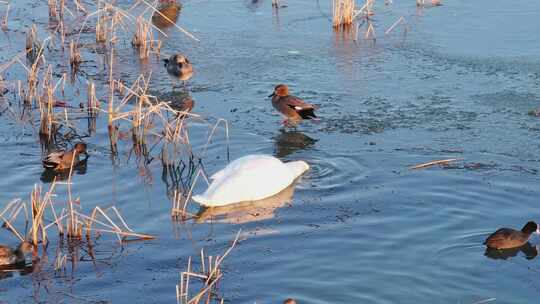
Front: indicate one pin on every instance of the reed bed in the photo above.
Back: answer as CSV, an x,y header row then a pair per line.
x,y
70,221
205,279
152,121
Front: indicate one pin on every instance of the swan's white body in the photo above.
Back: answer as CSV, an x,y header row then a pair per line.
x,y
250,178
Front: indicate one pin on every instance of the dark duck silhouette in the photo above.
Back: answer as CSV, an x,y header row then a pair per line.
x,y
506,238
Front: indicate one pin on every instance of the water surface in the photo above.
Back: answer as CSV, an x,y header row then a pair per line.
x,y
361,226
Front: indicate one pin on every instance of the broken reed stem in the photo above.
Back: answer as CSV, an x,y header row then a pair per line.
x,y
92,102
101,24
74,55
210,277
14,207
436,162
53,14
370,32
391,28
142,37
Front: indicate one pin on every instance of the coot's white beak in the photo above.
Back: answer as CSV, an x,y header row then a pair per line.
x,y
538,230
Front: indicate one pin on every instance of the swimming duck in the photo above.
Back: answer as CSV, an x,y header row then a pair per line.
x,y
250,178
292,107
506,238
184,104
9,256
61,160
179,67
166,13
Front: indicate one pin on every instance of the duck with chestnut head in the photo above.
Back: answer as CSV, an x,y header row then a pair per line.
x,y
506,238
291,107
62,160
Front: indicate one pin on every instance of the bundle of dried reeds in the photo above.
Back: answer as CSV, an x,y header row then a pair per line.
x,y
74,55
209,275
342,12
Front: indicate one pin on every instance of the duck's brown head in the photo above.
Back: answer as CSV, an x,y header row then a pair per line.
x,y
80,148
289,301
280,90
180,59
531,227
26,247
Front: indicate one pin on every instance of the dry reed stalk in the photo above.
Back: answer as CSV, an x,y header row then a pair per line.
x,y
436,162
210,276
422,3
47,123
80,6
14,206
155,10
101,26
60,262
74,55
53,11
92,102
343,12
226,124
391,28
370,32
122,231
4,23
38,205
32,45
62,9
178,211
142,37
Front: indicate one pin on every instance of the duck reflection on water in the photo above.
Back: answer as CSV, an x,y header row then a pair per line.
x,y
289,142
528,250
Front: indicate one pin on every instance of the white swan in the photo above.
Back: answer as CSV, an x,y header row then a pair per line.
x,y
250,178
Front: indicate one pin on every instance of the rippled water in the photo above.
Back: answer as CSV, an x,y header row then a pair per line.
x,y
361,226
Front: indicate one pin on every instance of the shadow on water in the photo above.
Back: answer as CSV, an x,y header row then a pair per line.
x,y
247,211
289,142
528,250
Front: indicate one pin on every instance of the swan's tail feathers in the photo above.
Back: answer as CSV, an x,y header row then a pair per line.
x,y
298,167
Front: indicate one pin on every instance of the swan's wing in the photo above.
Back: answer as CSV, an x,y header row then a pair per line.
x,y
240,164
218,174
249,178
